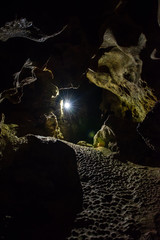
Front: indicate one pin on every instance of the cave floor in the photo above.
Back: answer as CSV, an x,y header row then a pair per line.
x,y
120,200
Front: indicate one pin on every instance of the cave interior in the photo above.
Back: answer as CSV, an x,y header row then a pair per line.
x,y
77,78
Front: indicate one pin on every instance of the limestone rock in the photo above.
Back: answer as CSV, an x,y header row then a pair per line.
x,y
105,137
25,29
40,190
119,71
84,143
34,94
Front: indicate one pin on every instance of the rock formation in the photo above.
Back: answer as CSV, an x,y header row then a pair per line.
x,y
103,59
119,72
40,189
120,201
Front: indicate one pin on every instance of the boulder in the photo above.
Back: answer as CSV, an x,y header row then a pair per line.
x,y
105,137
40,190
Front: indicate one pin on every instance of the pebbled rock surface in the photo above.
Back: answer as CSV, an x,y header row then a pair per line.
x,y
120,200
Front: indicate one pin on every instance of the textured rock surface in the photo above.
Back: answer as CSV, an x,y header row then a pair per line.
x,y
105,137
118,40
119,71
23,28
119,200
40,194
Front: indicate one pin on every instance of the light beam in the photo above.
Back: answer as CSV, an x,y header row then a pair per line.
x,y
67,105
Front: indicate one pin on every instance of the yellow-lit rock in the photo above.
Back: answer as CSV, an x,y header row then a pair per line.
x,y
119,71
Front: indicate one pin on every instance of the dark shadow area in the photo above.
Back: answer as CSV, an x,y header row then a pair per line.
x,y
40,191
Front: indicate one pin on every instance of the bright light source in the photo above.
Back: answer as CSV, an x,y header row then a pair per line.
x,y
67,105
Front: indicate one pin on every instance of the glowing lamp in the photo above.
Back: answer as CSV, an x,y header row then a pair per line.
x,y
67,105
